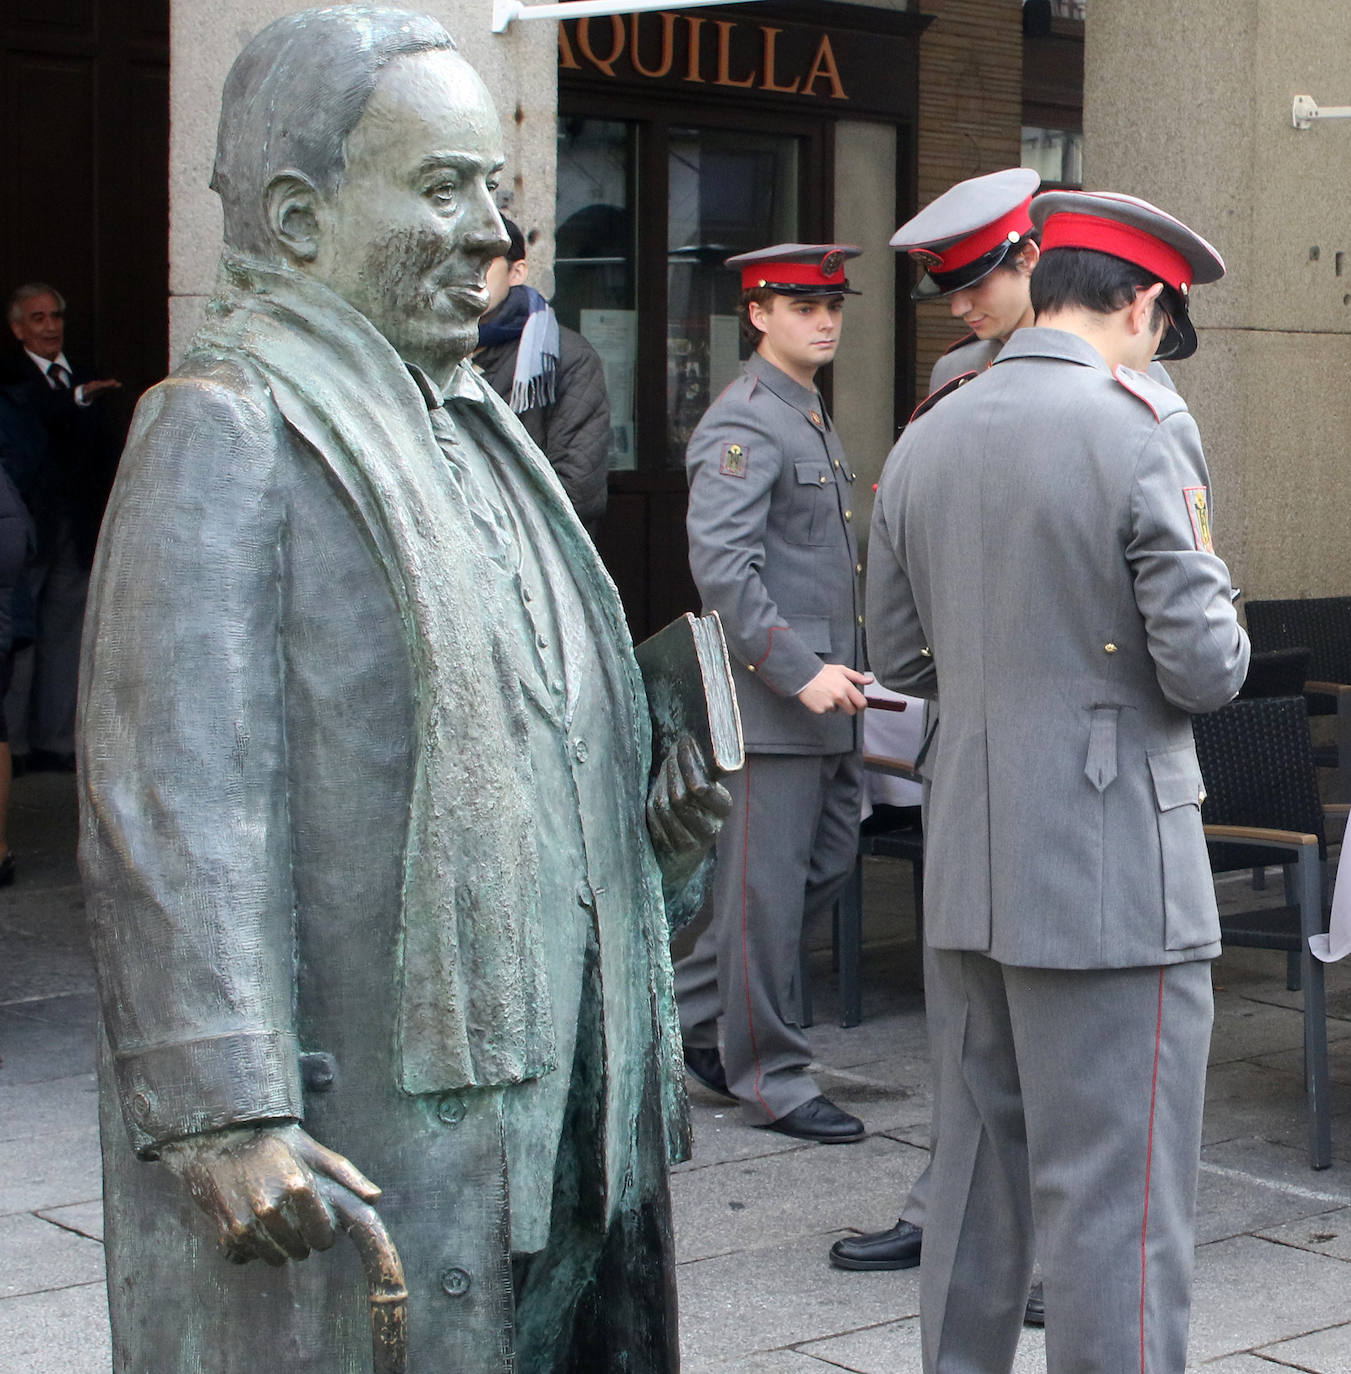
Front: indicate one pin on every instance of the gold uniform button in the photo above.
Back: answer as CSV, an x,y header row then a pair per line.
x,y
750,667
849,515
822,480
1109,648
860,620
926,652
837,463
858,567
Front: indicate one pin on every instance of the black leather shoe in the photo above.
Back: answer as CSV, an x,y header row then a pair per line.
x,y
820,1120
1035,1312
897,1248
705,1067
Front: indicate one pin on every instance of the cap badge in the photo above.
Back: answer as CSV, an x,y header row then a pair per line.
x,y
832,263
926,257
733,461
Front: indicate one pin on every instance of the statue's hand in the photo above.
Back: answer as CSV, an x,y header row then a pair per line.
x,y
271,1190
685,811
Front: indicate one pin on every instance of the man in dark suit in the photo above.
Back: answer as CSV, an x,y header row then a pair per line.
x,y
66,494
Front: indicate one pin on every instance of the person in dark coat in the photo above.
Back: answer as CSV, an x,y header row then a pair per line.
x,y
21,442
551,377
65,493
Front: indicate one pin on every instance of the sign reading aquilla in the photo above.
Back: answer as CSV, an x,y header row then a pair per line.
x,y
777,61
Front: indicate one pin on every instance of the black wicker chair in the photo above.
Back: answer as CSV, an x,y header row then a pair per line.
x,y
1262,807
1322,624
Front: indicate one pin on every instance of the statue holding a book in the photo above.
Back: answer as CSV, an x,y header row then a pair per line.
x,y
378,864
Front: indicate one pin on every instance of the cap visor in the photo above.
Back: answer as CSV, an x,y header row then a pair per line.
x,y
931,287
1178,342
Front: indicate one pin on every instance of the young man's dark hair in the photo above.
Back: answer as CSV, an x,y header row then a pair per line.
x,y
1069,278
755,295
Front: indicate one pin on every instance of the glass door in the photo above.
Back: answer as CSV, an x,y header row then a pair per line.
x,y
649,208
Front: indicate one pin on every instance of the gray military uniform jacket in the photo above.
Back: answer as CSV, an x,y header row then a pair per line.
x,y
773,551
1040,557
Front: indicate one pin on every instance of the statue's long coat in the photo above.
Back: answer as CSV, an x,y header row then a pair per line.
x,y
249,746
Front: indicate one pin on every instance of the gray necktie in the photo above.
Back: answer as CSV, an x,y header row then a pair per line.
x,y
499,542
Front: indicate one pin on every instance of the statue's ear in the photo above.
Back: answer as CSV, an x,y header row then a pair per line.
x,y
294,210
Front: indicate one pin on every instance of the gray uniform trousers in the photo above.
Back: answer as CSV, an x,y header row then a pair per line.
x,y
783,855
1071,1103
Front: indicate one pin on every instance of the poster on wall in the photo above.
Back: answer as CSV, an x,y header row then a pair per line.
x,y
614,336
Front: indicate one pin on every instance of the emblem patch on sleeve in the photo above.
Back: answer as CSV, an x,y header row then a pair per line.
x,y
1199,509
733,461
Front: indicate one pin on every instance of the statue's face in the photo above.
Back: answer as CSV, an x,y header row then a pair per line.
x,y
408,236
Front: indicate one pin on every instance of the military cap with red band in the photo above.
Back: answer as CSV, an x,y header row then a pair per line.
x,y
798,269
961,237
1139,233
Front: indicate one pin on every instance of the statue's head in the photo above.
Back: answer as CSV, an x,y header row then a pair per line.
x,y
357,145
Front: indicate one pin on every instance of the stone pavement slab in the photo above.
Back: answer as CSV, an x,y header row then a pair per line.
x,y
40,1256
1326,1233
895,1347
50,1170
733,1306
1252,1293
1322,1352
62,1332
757,1202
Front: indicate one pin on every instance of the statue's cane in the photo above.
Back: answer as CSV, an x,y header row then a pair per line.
x,y
384,1276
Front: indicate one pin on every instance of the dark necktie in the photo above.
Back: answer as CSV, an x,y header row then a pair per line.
x,y
57,373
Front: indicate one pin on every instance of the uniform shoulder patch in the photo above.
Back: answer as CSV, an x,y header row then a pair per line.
x,y
734,457
1198,508
931,400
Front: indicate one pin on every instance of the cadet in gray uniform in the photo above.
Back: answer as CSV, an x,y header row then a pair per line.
x,y
976,247
1041,560
773,551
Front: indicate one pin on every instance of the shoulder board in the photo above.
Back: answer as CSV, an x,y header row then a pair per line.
x,y
1161,400
931,400
969,337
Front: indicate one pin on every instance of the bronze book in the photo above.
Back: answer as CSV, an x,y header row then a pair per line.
x,y
690,691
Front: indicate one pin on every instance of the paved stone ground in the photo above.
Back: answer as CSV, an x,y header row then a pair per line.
x,y
755,1213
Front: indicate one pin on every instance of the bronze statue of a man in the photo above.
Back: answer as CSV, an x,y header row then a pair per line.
x,y
370,850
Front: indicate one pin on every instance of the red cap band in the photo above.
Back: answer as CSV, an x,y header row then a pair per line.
x,y
1014,224
1069,230
792,274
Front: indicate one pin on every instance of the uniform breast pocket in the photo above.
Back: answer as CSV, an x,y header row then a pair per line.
x,y
1189,916
813,506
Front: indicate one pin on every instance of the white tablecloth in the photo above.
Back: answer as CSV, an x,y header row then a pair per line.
x,y
1336,944
895,734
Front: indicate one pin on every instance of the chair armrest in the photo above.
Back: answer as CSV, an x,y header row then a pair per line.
x,y
893,768
1252,834
1331,689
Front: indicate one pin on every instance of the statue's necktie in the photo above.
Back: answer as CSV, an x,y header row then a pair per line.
x,y
497,537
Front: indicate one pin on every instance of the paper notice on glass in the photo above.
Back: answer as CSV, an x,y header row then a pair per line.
x,y
614,336
724,352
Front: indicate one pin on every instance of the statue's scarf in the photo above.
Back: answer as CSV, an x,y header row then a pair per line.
x,y
474,1005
